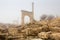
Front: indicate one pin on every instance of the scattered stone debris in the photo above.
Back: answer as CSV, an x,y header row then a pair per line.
x,y
38,30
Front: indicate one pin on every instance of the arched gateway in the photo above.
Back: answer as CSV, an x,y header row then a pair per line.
x,y
26,13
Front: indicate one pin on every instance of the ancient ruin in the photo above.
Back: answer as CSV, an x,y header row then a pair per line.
x,y
48,29
26,13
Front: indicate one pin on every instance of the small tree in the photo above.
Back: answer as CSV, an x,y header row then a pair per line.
x,y
43,17
50,17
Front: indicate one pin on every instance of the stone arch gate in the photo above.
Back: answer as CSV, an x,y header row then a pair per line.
x,y
27,13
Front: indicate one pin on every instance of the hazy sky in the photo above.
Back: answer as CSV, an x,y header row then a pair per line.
x,y
10,10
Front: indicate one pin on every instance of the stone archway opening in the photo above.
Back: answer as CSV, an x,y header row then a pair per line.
x,y
27,13
26,19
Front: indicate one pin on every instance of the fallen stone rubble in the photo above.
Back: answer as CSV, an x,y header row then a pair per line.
x,y
44,29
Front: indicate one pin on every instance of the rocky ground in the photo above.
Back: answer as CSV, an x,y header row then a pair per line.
x,y
37,30
44,29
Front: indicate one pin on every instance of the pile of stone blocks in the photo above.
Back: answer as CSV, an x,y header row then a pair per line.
x,y
44,29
